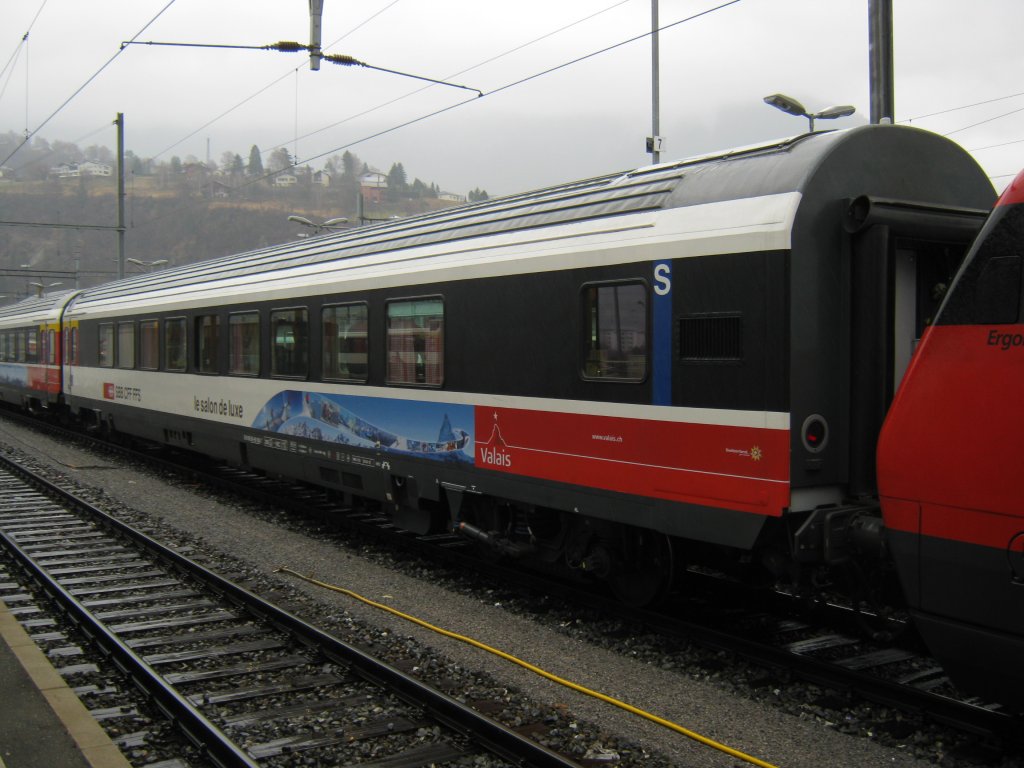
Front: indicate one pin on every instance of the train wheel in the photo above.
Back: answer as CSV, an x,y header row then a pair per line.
x,y
646,572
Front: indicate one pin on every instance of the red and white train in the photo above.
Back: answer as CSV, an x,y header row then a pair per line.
x,y
685,364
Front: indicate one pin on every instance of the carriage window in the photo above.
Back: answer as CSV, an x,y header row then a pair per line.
x,y
126,345
72,348
244,344
32,346
416,342
149,345
615,323
207,341
50,348
345,342
175,344
289,333
105,357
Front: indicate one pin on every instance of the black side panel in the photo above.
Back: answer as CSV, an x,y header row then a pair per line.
x,y
730,345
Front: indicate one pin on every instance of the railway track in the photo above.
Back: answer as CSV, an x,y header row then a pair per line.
x,y
822,646
248,683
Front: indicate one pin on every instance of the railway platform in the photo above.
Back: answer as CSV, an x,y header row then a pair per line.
x,y
42,722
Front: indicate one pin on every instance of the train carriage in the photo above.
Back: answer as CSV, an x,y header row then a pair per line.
x,y
30,351
592,374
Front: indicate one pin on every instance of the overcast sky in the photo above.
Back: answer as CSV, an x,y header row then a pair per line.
x,y
581,120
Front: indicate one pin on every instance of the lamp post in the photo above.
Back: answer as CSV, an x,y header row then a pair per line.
x,y
328,225
40,287
791,106
147,266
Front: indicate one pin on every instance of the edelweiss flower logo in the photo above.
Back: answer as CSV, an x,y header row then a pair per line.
x,y
755,453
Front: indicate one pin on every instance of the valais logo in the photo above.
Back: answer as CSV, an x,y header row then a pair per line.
x,y
494,453
108,391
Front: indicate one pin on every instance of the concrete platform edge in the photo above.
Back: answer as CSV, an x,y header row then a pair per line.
x,y
96,747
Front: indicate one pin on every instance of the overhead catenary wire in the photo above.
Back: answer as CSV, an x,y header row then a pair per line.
x,y
21,44
289,46
983,122
388,103
84,85
699,738
500,89
963,106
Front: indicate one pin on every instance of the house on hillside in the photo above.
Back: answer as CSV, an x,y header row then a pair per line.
x,y
451,198
286,180
216,190
89,168
374,186
65,171
323,178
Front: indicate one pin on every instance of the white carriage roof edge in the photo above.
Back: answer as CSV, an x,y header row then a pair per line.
x,y
730,226
731,175
36,309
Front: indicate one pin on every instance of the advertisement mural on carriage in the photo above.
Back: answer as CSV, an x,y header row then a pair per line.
x,y
437,431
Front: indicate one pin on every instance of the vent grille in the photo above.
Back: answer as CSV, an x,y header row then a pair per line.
x,y
714,338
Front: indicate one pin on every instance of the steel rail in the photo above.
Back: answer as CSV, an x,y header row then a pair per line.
x,y
478,728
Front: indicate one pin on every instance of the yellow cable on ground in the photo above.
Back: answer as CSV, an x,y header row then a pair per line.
x,y
537,670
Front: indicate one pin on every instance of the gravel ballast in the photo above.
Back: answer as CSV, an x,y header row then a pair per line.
x,y
767,720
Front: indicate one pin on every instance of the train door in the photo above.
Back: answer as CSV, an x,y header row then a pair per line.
x,y
904,256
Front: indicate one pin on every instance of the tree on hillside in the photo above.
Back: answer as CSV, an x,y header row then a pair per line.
x,y
398,185
280,160
420,189
349,165
255,167
133,163
99,154
478,196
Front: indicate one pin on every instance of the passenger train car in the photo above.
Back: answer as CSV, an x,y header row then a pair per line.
x,y
689,363
30,351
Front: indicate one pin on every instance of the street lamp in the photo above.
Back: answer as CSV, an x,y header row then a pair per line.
x,y
147,265
40,287
329,224
791,106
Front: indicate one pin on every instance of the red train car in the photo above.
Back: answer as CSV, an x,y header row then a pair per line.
x,y
951,467
30,351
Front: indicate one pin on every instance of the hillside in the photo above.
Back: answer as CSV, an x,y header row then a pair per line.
x,y
180,219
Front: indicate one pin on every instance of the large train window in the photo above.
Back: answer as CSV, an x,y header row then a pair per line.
x,y
105,348
415,342
149,345
988,288
345,351
289,347
207,343
175,344
244,344
32,346
126,345
615,331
